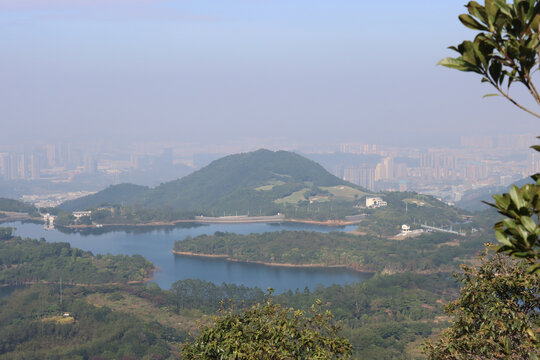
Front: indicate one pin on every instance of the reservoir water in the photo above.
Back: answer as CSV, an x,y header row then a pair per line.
x,y
156,245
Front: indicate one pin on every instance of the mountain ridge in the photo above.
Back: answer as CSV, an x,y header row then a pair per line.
x,y
233,181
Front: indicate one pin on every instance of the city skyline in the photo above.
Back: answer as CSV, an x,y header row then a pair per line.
x,y
446,173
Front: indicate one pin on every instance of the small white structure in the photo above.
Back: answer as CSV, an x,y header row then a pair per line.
x,y
80,214
48,220
405,229
406,232
375,202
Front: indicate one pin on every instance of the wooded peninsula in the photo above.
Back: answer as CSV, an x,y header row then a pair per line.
x,y
432,252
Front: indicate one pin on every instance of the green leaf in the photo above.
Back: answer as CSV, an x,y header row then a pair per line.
x,y
477,11
502,201
491,10
509,223
469,53
535,22
503,7
503,239
516,198
490,95
471,22
495,70
456,63
529,224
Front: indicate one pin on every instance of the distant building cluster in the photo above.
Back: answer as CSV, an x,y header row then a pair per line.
x,y
507,142
61,162
15,166
358,148
446,173
45,161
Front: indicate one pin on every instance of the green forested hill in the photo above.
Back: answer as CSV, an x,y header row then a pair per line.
x,y
434,252
254,181
113,195
58,313
16,206
24,261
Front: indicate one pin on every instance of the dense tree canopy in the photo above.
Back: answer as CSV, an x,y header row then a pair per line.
x,y
428,252
496,316
268,331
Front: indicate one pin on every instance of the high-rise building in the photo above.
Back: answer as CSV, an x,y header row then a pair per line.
x,y
380,172
63,154
5,166
475,170
13,167
352,174
22,159
437,164
90,164
389,166
366,177
50,152
35,166
385,169
363,175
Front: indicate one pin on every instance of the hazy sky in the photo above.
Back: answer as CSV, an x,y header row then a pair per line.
x,y
221,71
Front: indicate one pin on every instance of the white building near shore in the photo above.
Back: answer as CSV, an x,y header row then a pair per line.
x,y
375,202
80,214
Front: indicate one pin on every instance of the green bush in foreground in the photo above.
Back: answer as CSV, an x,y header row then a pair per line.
x,y
268,331
496,316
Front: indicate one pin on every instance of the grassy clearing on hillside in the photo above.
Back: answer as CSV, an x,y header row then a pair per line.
x,y
294,198
417,202
342,192
147,311
339,192
270,185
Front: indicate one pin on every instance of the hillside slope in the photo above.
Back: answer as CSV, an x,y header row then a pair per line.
x,y
473,199
253,181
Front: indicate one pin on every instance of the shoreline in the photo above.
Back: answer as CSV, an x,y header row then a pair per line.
x,y
285,265
20,218
329,223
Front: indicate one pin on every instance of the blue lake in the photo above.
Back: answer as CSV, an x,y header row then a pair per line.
x,y
156,245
